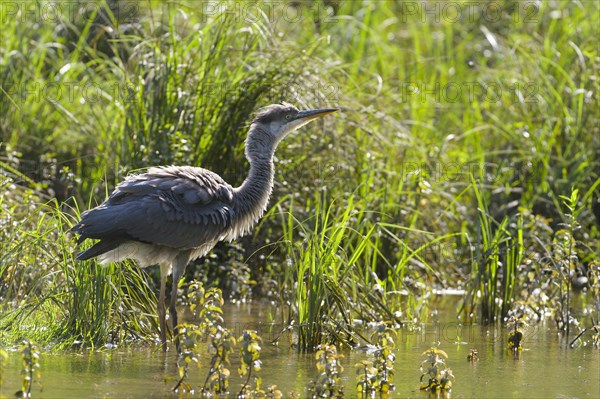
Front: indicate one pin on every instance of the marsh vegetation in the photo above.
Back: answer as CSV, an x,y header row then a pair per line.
x,y
466,158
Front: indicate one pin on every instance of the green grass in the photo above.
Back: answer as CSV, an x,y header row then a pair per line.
x,y
456,145
495,265
48,297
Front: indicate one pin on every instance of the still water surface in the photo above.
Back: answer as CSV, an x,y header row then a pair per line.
x,y
545,369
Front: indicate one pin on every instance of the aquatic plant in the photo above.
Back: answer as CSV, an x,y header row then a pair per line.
x,y
375,376
473,355
383,339
565,261
222,344
206,306
594,328
516,329
495,266
3,360
30,368
189,337
366,377
336,274
325,280
221,341
250,362
594,282
439,376
328,383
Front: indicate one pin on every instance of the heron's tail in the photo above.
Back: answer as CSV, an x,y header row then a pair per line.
x,y
99,248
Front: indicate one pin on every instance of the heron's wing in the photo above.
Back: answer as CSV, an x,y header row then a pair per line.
x,y
179,207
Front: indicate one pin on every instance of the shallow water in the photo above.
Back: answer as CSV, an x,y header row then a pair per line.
x,y
545,368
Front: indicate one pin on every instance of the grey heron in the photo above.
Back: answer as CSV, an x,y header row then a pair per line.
x,y
172,215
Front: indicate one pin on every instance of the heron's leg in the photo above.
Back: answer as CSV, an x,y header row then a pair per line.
x,y
178,270
164,272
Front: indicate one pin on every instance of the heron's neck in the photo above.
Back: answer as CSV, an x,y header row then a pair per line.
x,y
255,191
251,198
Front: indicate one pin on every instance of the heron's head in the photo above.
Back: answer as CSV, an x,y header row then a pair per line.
x,y
278,120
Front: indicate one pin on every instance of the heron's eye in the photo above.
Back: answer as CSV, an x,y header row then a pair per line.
x,y
288,117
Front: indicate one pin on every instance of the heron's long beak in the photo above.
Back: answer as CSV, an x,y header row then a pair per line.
x,y
303,117
307,116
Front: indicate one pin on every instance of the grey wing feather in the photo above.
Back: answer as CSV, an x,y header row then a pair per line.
x,y
179,207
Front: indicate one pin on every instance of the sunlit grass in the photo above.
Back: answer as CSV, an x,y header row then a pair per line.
x,y
50,298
